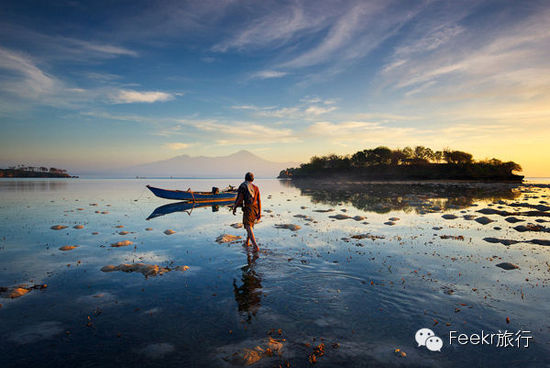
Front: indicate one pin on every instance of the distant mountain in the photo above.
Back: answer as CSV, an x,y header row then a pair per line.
x,y
232,166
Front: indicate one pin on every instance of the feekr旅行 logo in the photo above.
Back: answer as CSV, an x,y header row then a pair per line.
x,y
501,339
426,337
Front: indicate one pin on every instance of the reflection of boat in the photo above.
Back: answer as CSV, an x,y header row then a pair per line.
x,y
186,206
189,195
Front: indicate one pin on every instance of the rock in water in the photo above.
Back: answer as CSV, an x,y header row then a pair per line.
x,y
17,292
14,292
513,220
449,217
68,247
540,241
483,220
122,243
507,266
288,226
340,216
227,238
542,208
249,356
530,227
143,268
501,241
367,236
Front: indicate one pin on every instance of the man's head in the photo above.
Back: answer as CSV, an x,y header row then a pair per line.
x,y
249,176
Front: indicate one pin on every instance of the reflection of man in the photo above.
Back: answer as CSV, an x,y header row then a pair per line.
x,y
249,197
248,295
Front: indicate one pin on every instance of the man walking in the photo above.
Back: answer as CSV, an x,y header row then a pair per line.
x,y
248,196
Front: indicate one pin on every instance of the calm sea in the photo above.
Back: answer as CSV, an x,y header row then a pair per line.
x,y
362,285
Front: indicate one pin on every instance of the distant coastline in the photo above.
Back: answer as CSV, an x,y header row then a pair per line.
x,y
34,172
420,163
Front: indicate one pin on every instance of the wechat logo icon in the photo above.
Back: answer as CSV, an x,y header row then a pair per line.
x,y
426,337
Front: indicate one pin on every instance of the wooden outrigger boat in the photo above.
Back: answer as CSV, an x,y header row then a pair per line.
x,y
191,196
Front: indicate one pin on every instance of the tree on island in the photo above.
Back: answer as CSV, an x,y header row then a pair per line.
x,y
457,157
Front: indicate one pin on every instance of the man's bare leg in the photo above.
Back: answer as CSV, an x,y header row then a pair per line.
x,y
250,236
247,241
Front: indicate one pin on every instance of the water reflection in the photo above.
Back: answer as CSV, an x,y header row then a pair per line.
x,y
186,207
11,185
248,295
413,196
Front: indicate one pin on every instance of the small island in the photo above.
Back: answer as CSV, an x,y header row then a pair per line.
x,y
22,171
419,163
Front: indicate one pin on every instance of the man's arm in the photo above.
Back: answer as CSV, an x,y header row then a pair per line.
x,y
259,205
238,202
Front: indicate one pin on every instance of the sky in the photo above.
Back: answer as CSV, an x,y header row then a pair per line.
x,y
92,85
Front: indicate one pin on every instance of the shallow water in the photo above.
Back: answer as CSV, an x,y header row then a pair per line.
x,y
363,298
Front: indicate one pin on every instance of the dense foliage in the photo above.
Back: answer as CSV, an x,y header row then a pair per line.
x,y
22,171
419,162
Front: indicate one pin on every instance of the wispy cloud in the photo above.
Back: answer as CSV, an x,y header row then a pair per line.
x,y
319,110
27,78
433,39
339,35
318,33
131,96
177,146
453,59
102,48
246,133
276,25
103,77
382,117
283,112
310,107
104,115
58,47
346,132
268,74
244,107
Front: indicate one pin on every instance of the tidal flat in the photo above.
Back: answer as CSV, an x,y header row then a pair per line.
x,y
102,273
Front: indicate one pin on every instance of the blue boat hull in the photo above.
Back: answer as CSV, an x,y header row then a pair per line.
x,y
189,195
